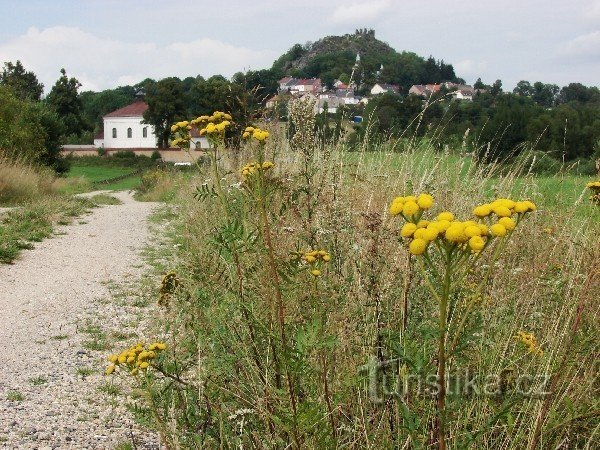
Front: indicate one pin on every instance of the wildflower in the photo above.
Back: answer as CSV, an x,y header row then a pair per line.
x,y
530,342
521,207
396,206
422,223
442,224
110,369
482,210
445,216
315,272
456,233
501,211
425,201
498,230
507,222
410,208
430,234
476,243
472,230
408,229
418,246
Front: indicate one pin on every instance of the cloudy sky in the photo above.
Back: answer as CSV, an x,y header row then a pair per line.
x,y
107,43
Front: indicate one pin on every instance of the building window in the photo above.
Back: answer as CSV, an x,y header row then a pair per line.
x,y
114,133
145,132
129,133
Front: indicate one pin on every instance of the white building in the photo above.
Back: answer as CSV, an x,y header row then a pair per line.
x,y
123,128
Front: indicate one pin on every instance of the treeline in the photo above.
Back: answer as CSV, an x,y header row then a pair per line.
x,y
33,129
564,123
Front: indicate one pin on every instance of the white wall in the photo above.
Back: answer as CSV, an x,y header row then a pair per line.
x,y
122,141
377,90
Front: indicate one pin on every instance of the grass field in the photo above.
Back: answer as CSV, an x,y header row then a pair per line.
x,y
298,284
88,176
97,173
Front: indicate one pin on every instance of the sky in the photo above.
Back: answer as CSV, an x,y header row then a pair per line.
x,y
110,43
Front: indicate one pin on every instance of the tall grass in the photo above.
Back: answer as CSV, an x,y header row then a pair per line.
x,y
20,181
263,354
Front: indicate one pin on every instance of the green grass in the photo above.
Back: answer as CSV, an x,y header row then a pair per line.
x,y
15,396
89,174
98,173
38,381
126,184
105,199
84,371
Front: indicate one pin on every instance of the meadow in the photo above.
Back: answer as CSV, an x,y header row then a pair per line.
x,y
312,297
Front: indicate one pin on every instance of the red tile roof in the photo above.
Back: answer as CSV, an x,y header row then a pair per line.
x,y
136,109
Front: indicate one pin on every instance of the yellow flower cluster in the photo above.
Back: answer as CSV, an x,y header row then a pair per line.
x,y
411,206
256,133
215,124
183,125
529,341
182,132
470,235
254,167
314,258
135,358
594,186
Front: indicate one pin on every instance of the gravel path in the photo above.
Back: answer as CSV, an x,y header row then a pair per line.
x,y
50,355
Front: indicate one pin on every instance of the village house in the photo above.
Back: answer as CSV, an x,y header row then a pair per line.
x,y
124,128
457,91
382,88
298,85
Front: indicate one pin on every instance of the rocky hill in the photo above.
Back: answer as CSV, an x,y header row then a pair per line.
x,y
334,57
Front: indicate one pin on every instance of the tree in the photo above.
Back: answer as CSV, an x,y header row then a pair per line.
x,y
64,99
496,88
30,131
166,106
545,94
24,84
577,92
479,84
523,88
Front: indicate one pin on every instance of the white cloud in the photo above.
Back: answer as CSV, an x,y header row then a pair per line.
x,y
584,47
100,63
592,13
359,12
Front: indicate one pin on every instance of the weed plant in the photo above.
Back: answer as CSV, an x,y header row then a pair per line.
x,y
299,313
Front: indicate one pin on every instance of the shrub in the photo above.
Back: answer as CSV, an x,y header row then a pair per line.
x,y
126,154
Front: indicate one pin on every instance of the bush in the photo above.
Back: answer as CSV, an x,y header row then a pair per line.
x,y
127,154
155,156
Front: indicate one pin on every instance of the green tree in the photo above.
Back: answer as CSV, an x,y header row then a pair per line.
x,y
95,105
166,105
64,99
545,94
30,131
496,88
24,84
523,88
